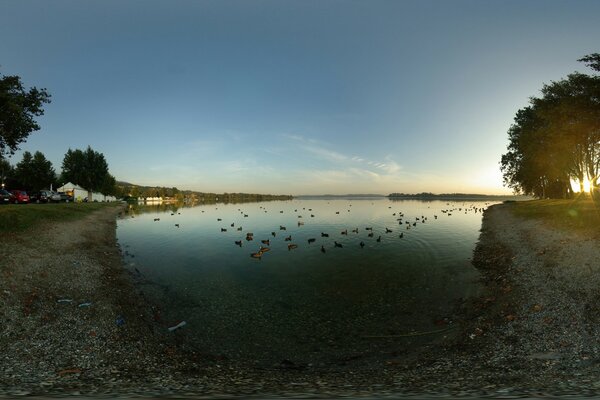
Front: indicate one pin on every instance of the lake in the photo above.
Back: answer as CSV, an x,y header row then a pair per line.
x,y
304,306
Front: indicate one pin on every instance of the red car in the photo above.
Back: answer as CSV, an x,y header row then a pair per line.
x,y
20,196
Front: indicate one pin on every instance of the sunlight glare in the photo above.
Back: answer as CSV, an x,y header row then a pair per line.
x,y
587,185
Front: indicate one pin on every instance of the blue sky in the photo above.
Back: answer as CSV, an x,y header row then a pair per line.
x,y
299,97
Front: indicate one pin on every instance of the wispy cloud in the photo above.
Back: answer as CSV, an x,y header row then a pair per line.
x,y
323,151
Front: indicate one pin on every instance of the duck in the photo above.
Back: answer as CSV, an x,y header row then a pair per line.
x,y
401,235
337,244
370,234
239,228
288,239
388,230
245,215
379,239
300,223
311,240
177,225
414,224
292,246
345,232
263,249
355,230
282,228
156,219
312,215
256,255
324,234
322,249
273,234
232,224
238,242
362,244
337,212
369,229
223,230
267,242
218,219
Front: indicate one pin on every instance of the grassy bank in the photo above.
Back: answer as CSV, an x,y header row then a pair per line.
x,y
581,214
20,217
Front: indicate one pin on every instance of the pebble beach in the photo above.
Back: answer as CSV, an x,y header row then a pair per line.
x,y
75,323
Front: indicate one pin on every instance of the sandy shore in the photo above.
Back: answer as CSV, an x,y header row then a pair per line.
x,y
74,322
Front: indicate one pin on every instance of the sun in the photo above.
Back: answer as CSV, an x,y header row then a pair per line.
x,y
587,185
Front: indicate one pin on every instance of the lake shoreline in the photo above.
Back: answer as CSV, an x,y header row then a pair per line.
x,y
505,341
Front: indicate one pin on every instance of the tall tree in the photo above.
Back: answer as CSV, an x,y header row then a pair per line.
x,y
35,172
7,174
557,138
18,107
87,169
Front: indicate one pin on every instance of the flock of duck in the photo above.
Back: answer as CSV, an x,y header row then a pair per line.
x,y
402,221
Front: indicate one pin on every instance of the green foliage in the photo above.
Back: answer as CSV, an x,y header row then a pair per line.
x,y
592,61
16,218
35,173
556,138
18,107
87,169
580,214
130,190
7,173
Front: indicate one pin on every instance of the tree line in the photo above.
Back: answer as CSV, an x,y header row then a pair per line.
x,y
86,168
555,140
128,190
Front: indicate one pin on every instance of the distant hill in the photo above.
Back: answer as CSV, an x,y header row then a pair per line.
x,y
456,196
312,196
130,190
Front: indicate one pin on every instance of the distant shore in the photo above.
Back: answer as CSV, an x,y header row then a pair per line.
x,y
76,323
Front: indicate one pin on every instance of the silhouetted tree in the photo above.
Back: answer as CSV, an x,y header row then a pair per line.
x,y
18,107
556,138
87,169
7,174
35,173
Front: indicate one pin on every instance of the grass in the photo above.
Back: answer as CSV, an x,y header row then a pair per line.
x,y
581,214
21,217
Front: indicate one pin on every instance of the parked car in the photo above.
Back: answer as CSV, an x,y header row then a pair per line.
x,y
54,197
5,197
44,196
20,196
65,197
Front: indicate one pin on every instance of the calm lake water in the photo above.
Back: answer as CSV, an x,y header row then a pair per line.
x,y
303,305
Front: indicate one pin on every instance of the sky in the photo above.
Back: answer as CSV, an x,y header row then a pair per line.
x,y
292,97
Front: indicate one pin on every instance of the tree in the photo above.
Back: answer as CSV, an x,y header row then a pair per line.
x,y
556,138
35,173
87,169
18,107
109,186
7,174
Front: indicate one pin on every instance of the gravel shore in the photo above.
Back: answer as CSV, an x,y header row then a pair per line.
x,y
74,322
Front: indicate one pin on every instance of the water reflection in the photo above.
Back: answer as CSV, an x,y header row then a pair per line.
x,y
316,302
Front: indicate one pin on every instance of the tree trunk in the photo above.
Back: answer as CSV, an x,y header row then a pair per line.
x,y
89,196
